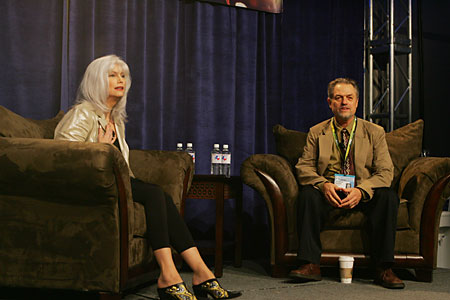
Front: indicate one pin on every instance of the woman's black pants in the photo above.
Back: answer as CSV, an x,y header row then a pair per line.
x,y
165,226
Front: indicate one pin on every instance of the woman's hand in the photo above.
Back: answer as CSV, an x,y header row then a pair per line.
x,y
108,135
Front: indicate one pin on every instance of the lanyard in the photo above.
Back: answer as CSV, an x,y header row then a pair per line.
x,y
352,134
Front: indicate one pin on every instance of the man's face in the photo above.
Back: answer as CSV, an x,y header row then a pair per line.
x,y
344,102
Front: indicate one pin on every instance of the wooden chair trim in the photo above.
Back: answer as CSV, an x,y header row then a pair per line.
x,y
332,259
123,229
279,215
430,216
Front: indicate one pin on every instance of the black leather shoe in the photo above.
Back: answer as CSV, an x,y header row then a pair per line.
x,y
176,291
212,287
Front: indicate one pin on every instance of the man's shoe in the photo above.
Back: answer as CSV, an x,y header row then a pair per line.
x,y
307,272
387,278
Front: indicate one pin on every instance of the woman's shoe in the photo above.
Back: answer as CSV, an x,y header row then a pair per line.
x,y
176,291
212,287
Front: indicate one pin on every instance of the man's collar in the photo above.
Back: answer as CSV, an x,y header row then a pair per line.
x,y
339,127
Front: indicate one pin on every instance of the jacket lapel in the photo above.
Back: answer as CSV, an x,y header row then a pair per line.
x,y
101,119
325,148
361,148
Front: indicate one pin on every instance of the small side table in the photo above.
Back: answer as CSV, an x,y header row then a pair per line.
x,y
219,188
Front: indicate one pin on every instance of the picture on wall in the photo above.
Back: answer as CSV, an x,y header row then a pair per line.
x,y
273,6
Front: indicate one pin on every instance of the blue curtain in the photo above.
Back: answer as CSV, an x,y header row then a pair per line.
x,y
322,40
30,56
202,73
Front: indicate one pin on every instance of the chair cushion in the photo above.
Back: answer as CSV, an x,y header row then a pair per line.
x,y
405,145
289,143
14,125
140,224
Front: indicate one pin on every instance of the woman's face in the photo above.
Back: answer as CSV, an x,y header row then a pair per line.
x,y
117,84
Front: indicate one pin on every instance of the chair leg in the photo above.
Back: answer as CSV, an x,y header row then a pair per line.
x,y
279,271
424,275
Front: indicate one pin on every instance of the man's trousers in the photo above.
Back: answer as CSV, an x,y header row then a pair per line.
x,y
313,211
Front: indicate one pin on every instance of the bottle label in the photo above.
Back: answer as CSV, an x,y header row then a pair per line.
x,y
215,158
226,159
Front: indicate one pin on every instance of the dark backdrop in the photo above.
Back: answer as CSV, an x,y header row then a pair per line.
x,y
431,75
202,73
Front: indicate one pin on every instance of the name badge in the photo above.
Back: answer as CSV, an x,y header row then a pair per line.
x,y
344,181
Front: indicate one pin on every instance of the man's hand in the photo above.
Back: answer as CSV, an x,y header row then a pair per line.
x,y
330,192
353,197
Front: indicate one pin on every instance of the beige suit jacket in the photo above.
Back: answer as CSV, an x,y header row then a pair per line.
x,y
81,123
373,164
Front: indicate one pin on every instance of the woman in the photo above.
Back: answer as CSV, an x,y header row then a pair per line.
x,y
99,116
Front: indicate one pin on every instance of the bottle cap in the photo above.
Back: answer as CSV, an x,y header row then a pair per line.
x,y
179,145
216,146
189,145
225,146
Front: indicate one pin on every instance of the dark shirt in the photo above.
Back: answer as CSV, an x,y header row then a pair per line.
x,y
116,143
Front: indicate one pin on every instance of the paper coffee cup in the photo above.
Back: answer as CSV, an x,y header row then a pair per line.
x,y
346,268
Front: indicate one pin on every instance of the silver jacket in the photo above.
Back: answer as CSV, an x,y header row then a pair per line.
x,y
81,123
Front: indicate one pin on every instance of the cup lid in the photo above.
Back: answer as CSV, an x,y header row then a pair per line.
x,y
346,258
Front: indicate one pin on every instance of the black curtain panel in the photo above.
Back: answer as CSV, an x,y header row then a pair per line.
x,y
202,73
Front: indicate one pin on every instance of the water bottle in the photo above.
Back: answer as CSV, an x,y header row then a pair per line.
x,y
226,161
190,151
216,158
179,146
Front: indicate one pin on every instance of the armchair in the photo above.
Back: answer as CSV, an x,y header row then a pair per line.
x,y
421,183
67,218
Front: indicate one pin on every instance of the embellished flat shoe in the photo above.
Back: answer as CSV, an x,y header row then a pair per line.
x,y
177,291
212,288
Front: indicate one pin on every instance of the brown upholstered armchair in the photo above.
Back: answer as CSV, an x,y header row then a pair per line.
x,y
67,218
421,183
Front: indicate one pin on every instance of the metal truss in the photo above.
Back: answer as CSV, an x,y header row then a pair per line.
x,y
388,62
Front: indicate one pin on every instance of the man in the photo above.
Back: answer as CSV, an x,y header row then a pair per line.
x,y
346,165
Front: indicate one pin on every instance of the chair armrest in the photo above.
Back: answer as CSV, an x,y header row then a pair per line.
x,y
171,170
278,169
61,171
272,177
71,203
431,215
416,182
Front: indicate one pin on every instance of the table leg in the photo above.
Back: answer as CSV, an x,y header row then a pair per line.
x,y
218,264
238,231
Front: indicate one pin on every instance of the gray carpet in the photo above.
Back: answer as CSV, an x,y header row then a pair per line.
x,y
255,283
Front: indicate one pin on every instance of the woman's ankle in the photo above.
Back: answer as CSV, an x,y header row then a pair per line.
x,y
165,281
202,276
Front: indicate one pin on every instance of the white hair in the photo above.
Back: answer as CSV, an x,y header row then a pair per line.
x,y
94,87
